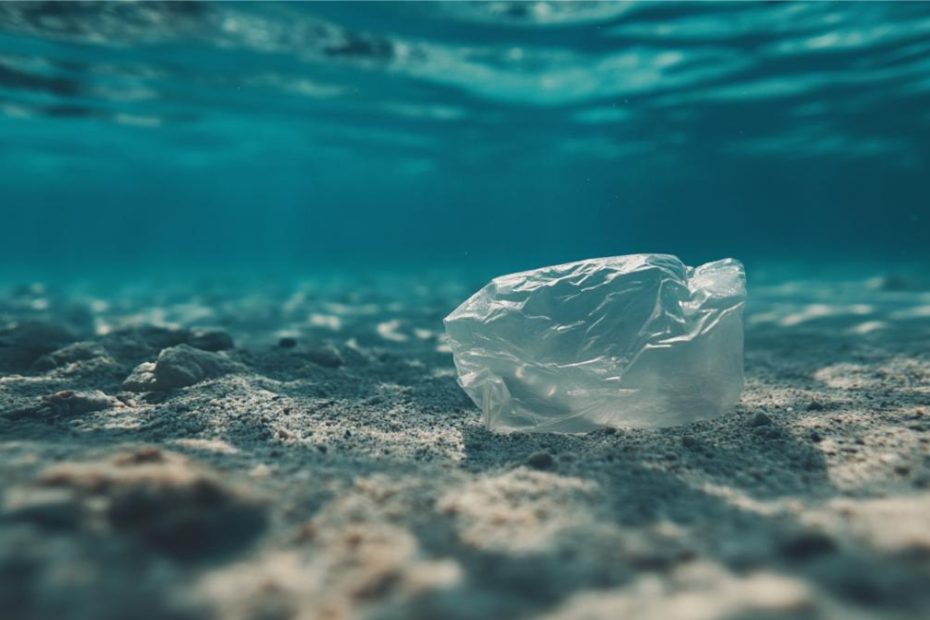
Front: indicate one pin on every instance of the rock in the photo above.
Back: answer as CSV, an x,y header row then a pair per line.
x,y
287,342
690,442
69,403
76,352
540,460
134,344
184,365
760,419
211,340
636,341
325,355
142,378
177,367
22,343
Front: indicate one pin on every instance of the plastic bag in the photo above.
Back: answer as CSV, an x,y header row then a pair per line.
x,y
627,341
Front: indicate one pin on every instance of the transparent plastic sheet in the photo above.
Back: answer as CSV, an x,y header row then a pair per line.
x,y
627,341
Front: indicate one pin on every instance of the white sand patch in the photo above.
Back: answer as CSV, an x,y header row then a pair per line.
x,y
208,445
701,591
521,510
389,331
817,311
329,321
868,327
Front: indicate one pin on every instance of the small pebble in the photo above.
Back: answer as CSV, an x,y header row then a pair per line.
x,y
287,342
760,419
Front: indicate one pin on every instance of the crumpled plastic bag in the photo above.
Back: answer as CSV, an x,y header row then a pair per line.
x,y
627,341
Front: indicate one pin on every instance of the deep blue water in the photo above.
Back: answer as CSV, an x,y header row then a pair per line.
x,y
176,138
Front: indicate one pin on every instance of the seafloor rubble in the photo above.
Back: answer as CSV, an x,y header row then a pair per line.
x,y
303,451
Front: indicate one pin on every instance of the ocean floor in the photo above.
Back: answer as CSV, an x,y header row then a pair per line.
x,y
303,451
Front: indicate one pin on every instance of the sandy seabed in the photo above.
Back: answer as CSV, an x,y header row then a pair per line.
x,y
303,451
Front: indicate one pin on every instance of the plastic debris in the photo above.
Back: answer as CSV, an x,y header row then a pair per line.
x,y
627,341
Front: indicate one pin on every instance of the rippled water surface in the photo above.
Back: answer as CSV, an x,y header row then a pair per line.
x,y
178,136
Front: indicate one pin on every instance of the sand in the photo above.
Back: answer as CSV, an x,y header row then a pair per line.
x,y
303,451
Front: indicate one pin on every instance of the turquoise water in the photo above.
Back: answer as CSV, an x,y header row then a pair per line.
x,y
178,138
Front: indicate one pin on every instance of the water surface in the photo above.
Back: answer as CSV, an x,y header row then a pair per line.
x,y
180,137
